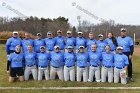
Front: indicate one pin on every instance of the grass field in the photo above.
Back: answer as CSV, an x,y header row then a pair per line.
x,y
57,83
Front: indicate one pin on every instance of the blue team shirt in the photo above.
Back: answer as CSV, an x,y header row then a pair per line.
x,y
101,45
70,41
60,41
50,43
82,59
109,42
16,60
26,42
94,58
69,58
107,59
125,42
89,43
57,59
12,43
38,43
30,58
80,41
120,60
43,58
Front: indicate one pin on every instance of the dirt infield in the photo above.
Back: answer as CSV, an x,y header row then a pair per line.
x,y
137,50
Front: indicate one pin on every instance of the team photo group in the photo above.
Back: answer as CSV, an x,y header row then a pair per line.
x,y
71,58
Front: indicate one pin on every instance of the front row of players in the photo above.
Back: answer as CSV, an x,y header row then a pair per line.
x,y
113,65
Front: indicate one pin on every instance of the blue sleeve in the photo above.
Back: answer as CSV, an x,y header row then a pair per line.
x,y
10,57
126,60
131,42
8,43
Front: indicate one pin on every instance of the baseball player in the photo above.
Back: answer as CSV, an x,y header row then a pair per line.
x,y
57,63
30,64
111,40
90,41
82,60
107,64
120,66
69,40
69,70
42,59
60,40
128,48
94,61
12,43
80,41
26,41
38,43
101,44
15,65
50,42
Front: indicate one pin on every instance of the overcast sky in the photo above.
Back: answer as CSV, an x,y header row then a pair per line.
x,y
121,11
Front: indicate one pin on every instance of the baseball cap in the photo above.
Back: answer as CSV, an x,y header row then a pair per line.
x,y
100,35
56,46
120,47
69,46
81,47
123,29
42,47
79,32
68,32
49,32
59,31
15,32
39,34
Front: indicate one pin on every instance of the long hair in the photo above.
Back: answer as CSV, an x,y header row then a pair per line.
x,y
113,39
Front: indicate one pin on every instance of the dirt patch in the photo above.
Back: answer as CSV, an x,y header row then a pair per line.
x,y
137,51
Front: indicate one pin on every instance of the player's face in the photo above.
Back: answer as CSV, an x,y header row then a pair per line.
x,y
18,49
49,35
90,36
56,49
82,49
107,48
119,50
29,48
26,35
15,35
69,49
93,47
42,49
100,37
80,35
69,34
39,36
109,35
59,33
123,33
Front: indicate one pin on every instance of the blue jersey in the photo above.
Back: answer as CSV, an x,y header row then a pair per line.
x,y
60,41
80,41
125,42
16,60
94,58
50,43
37,44
107,59
12,43
57,59
89,43
69,58
109,42
30,58
70,41
26,42
101,45
82,59
120,60
43,58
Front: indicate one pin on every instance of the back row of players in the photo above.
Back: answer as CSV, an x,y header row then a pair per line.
x,y
80,42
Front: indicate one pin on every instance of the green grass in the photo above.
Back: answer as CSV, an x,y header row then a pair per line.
x,y
57,83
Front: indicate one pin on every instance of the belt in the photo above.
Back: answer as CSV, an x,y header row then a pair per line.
x,y
82,66
94,65
119,67
30,65
107,66
68,66
55,67
42,66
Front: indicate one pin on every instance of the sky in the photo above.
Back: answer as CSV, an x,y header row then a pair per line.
x,y
121,11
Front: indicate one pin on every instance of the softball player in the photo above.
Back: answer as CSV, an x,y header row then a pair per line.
x,y
30,64
57,63
69,70
90,41
50,42
38,43
26,41
120,66
69,40
80,41
111,41
82,60
101,44
60,40
43,58
107,64
15,64
94,61
128,47
12,43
